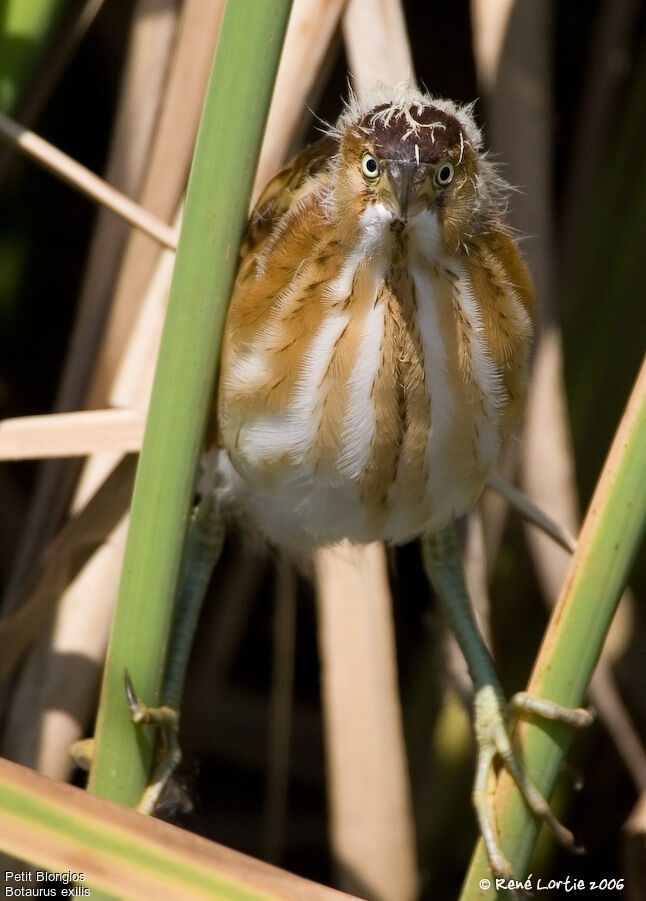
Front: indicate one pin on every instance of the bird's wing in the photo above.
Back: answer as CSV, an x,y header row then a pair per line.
x,y
307,172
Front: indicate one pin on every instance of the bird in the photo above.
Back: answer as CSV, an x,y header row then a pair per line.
x,y
376,354
377,342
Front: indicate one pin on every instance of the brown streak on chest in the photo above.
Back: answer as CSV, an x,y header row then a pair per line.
x,y
334,384
402,407
503,289
277,325
458,442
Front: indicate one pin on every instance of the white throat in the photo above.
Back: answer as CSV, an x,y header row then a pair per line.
x,y
377,232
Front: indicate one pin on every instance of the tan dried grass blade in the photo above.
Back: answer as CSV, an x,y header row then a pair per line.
x,y
143,76
165,179
370,808
71,434
309,34
65,558
85,181
376,42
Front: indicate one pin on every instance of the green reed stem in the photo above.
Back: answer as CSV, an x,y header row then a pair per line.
x,y
611,533
220,183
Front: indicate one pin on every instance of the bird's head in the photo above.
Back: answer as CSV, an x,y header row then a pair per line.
x,y
406,155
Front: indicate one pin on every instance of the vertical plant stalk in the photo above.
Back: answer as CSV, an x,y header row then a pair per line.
x,y
164,182
609,540
219,187
369,795
376,41
311,28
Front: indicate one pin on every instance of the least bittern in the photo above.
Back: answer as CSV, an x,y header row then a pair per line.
x,y
375,356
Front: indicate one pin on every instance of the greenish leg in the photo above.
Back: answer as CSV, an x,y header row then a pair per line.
x,y
204,540
443,563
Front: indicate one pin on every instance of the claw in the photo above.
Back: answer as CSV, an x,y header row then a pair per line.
x,y
143,715
493,741
131,696
168,753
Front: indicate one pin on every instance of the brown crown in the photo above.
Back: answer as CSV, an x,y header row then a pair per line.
x,y
395,134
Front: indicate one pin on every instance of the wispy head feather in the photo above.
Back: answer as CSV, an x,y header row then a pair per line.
x,y
405,98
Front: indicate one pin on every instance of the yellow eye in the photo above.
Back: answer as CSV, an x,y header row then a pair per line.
x,y
370,166
443,175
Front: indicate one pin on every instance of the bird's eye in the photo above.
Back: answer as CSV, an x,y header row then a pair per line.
x,y
369,166
443,175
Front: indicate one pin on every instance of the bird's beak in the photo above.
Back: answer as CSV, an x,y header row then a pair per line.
x,y
400,175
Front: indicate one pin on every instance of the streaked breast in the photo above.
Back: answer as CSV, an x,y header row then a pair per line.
x,y
365,395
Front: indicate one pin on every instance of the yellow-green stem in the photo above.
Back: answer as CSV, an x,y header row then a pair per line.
x,y
612,531
226,153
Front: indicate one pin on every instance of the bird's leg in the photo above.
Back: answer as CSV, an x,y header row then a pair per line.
x,y
204,539
443,563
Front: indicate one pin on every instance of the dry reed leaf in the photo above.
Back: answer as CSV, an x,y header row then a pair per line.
x,y
165,178
143,77
56,56
370,807
311,26
85,181
489,23
376,42
58,694
199,868
81,627
71,434
64,559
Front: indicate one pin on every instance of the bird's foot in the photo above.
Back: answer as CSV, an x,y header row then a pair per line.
x,y
82,753
168,753
492,737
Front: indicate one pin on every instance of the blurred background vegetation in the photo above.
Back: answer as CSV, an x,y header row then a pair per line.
x,y
596,179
